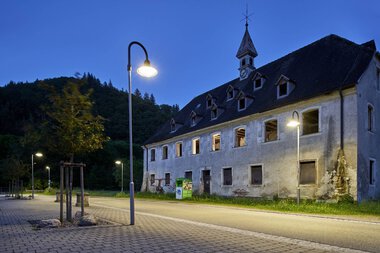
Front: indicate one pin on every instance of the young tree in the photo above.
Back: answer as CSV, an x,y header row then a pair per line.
x,y
72,128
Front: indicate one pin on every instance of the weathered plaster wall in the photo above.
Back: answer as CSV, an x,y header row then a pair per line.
x,y
278,158
368,141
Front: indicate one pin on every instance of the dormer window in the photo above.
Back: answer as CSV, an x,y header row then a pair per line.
x,y
230,93
243,62
209,101
172,125
284,86
241,104
250,61
258,83
214,112
193,118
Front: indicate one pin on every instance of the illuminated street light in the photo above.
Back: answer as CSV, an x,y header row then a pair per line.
x,y
38,154
295,122
122,174
48,169
147,71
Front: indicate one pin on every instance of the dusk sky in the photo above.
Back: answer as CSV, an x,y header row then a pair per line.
x,y
192,43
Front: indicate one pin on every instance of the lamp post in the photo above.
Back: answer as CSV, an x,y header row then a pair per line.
x,y
48,169
122,174
147,71
37,155
295,122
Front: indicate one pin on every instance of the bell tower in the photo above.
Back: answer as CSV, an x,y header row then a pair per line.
x,y
246,54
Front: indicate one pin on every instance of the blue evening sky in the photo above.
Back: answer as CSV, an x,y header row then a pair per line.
x,y
192,43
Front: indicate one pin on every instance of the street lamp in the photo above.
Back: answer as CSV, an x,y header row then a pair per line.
x,y
295,122
147,71
48,169
122,176
37,155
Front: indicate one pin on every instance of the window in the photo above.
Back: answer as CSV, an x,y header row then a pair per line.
x,y
167,178
307,172
241,104
172,125
153,155
283,89
208,101
196,146
243,62
257,175
214,113
371,172
250,61
378,79
310,122
271,130
216,142
230,93
164,152
370,118
240,137
178,149
152,179
193,119
258,83
227,176
189,175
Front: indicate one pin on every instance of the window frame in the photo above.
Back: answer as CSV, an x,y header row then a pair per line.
x,y
265,130
193,146
153,157
250,174
230,89
181,149
223,177
245,103
188,171
315,170
214,115
166,183
279,88
370,118
261,83
302,125
167,152
213,149
209,100
235,136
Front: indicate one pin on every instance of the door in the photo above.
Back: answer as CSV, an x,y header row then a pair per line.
x,y
206,181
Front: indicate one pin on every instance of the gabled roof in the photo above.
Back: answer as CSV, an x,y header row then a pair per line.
x,y
246,45
321,67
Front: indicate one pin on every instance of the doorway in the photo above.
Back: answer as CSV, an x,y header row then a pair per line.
x,y
206,181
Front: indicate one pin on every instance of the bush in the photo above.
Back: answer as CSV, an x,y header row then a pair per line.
x,y
346,198
50,191
121,195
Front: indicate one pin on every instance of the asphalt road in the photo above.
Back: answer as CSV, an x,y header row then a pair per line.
x,y
347,232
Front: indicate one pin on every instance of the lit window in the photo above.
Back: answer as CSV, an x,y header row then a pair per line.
x,y
178,149
227,176
271,130
370,118
371,172
240,137
283,89
164,152
216,142
152,179
257,175
241,104
307,172
196,146
153,155
310,122
214,113
167,178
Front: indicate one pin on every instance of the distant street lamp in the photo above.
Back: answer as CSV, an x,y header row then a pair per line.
x,y
295,122
147,71
122,174
48,169
37,155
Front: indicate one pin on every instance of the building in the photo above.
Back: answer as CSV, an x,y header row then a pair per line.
x,y
234,139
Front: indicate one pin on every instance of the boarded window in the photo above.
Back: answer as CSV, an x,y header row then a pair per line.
x,y
310,122
370,118
189,175
258,83
241,104
196,146
167,178
227,176
283,89
371,172
214,113
307,172
271,130
153,155
178,149
257,175
215,142
164,152
240,137
152,179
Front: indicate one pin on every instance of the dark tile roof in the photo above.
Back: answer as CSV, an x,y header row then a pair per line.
x,y
321,67
246,45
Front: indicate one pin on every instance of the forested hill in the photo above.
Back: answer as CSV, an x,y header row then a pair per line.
x,y
21,107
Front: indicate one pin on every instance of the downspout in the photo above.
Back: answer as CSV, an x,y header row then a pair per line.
x,y
146,166
341,119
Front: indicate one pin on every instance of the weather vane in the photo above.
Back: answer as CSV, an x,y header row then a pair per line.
x,y
246,16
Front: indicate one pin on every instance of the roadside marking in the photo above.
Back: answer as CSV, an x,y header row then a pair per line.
x,y
303,243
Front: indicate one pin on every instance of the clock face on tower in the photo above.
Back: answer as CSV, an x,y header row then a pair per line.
x,y
243,73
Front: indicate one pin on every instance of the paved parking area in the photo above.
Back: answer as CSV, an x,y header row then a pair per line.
x,y
150,234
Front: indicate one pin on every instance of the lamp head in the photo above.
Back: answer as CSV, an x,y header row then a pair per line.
x,y
147,70
118,162
38,154
47,167
293,123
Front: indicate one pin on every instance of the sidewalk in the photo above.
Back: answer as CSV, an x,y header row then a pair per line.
x,y
150,234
